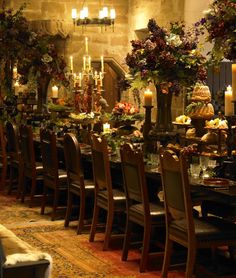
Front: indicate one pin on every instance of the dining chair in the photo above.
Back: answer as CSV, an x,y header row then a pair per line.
x,y
3,157
32,169
139,209
15,159
55,178
107,197
77,184
181,225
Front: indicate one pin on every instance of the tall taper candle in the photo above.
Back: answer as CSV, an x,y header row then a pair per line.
x,y
228,102
234,81
71,63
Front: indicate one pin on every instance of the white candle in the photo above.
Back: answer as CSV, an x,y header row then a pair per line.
x,y
74,14
148,98
234,81
89,62
100,78
96,77
17,87
15,72
86,45
106,128
71,64
102,64
228,102
55,92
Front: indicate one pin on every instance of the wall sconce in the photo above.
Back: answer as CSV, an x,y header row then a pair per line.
x,y
104,19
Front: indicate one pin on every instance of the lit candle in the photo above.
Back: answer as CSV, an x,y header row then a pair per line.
x,y
17,87
100,78
89,63
74,14
102,64
234,82
147,98
15,72
86,45
55,92
106,128
71,63
228,102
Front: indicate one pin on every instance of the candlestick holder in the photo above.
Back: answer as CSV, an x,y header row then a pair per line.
x,y
146,128
54,100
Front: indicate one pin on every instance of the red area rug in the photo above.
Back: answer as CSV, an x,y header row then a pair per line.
x,y
73,255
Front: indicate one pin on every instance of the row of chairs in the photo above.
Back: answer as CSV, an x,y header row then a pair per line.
x,y
177,215
133,202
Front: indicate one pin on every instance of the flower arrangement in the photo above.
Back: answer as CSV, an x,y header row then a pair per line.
x,y
15,40
170,59
43,60
220,23
125,112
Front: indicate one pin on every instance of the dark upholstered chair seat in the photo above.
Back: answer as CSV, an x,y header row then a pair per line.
x,y
89,185
207,227
157,213
118,197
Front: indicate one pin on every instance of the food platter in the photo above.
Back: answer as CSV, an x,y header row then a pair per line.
x,y
216,182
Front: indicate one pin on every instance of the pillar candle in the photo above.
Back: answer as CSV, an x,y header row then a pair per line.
x,y
100,78
96,77
147,98
234,81
106,128
71,64
15,72
228,102
55,92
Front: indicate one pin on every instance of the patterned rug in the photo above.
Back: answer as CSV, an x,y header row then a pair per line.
x,y
73,255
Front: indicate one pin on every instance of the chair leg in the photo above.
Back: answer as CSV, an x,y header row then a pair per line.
x,y
166,261
55,204
108,231
126,244
94,222
21,181
44,198
190,262
68,209
81,213
145,248
32,191
22,190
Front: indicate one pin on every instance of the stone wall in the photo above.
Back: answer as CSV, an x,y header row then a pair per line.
x,y
131,23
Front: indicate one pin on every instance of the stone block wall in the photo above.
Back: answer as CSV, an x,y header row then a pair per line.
x,y
131,22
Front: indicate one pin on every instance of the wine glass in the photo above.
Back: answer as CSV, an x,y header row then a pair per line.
x,y
204,161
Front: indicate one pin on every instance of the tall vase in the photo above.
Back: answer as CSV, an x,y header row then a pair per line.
x,y
43,82
163,120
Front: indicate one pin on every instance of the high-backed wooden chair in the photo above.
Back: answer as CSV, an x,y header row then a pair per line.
x,y
77,184
139,210
55,179
15,159
32,169
181,225
106,197
3,157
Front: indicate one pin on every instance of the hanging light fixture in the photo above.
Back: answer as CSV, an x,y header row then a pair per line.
x,y
105,17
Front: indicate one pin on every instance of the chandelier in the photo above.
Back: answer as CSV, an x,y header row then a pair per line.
x,y
106,17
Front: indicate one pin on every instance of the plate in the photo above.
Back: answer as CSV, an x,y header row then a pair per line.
x,y
214,182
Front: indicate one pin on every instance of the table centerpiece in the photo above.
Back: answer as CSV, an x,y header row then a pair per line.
x,y
171,61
